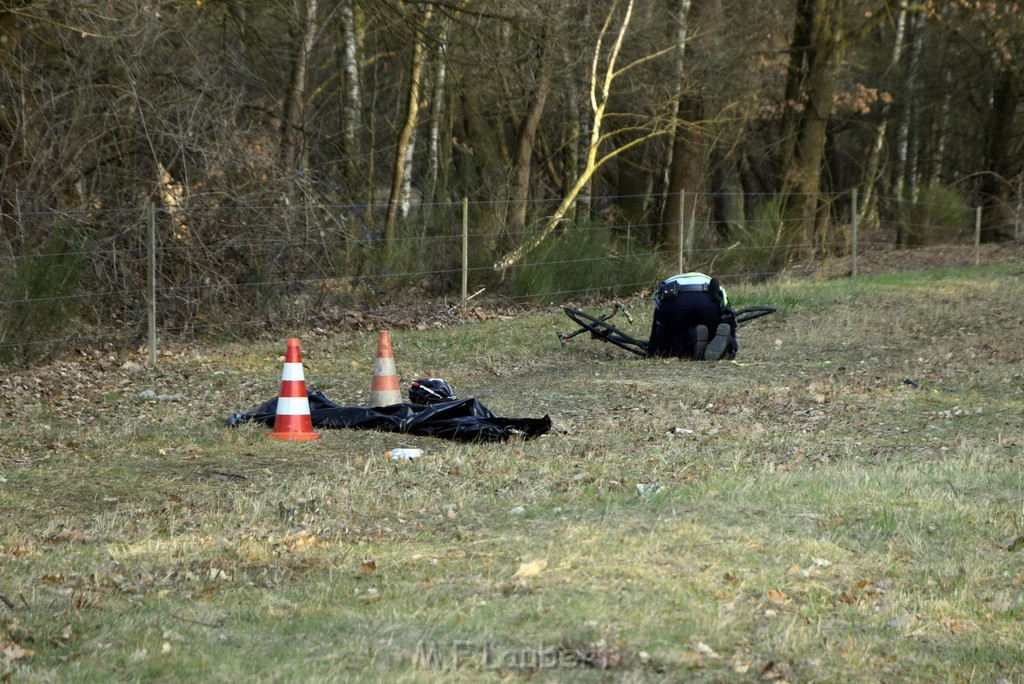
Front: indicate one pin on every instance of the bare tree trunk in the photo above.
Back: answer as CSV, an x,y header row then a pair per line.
x,y
405,136
995,188
351,95
405,196
796,77
681,10
675,180
689,151
942,135
293,142
914,113
13,136
435,182
904,129
581,208
819,62
868,205
523,153
803,175
600,91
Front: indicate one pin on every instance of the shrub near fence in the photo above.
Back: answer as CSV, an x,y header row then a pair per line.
x,y
129,276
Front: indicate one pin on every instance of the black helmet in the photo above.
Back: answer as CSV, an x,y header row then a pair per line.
x,y
430,391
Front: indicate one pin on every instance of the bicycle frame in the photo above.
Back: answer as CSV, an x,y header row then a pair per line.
x,y
616,308
600,328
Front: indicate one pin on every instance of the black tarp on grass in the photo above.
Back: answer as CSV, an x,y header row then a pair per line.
x,y
465,420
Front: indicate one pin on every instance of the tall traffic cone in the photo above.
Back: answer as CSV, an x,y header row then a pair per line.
x,y
384,389
292,420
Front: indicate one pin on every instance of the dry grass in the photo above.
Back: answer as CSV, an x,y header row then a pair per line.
x,y
817,518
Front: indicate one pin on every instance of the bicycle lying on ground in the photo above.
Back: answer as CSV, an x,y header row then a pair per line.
x,y
600,328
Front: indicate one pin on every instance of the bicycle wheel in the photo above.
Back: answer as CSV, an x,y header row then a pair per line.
x,y
601,329
749,313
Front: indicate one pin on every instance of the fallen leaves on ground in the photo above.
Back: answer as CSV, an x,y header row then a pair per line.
x,y
12,651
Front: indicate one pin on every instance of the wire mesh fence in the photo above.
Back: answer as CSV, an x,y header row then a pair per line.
x,y
132,276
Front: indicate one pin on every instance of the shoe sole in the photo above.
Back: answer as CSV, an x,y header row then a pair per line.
x,y
701,343
718,344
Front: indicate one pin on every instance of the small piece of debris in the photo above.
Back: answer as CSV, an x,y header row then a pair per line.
x,y
1014,543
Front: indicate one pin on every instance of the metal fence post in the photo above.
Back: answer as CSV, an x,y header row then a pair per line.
x,y
682,229
691,231
853,233
977,236
151,233
465,251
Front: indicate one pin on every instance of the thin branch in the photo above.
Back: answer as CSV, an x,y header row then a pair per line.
x,y
642,60
593,163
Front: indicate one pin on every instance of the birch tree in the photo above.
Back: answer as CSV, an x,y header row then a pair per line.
x,y
293,139
868,205
820,41
351,107
684,160
603,72
436,180
406,140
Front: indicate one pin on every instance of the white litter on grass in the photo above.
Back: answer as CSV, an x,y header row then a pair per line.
x,y
705,650
150,395
403,454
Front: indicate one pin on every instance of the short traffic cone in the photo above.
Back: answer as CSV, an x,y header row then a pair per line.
x,y
292,420
384,389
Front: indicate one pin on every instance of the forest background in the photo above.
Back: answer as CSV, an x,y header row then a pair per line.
x,y
297,158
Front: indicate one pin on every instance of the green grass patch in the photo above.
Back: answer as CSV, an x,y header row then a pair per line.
x,y
609,264
802,513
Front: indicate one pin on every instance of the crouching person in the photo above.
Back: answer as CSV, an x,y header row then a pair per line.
x,y
692,319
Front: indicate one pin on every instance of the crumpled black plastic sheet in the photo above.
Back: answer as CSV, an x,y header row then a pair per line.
x,y
465,420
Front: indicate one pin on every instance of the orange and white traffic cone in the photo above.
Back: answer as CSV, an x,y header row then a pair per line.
x,y
384,389
292,420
